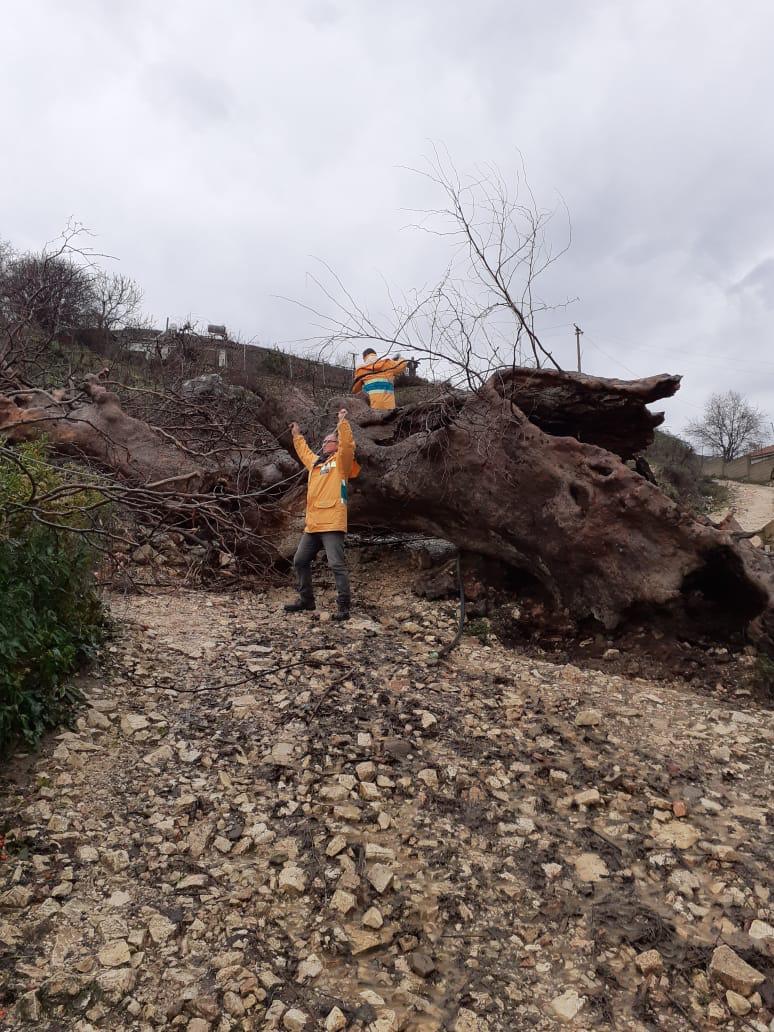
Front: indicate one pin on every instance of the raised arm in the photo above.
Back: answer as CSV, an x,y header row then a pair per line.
x,y
346,450
390,367
303,451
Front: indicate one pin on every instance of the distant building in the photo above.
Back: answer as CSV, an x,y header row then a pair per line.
x,y
762,453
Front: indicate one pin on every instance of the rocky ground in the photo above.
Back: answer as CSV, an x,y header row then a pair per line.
x,y
266,822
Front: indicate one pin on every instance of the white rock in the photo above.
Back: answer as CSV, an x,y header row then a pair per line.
x,y
115,954
131,723
737,1004
292,880
343,901
567,1006
309,968
589,797
282,753
19,896
733,972
366,771
335,1021
199,836
587,718
361,940
336,845
590,867
160,929
676,833
115,860
524,826
232,1004
119,898
115,983
649,962
380,877
376,851
760,931
294,1020
372,918
97,720
469,1021
159,756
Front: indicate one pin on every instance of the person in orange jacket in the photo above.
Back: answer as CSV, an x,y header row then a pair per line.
x,y
326,513
375,378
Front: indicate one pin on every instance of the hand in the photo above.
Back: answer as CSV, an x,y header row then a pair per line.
x,y
342,414
295,429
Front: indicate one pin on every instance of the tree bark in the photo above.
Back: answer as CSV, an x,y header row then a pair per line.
x,y
599,541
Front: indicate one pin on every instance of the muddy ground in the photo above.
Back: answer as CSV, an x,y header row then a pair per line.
x,y
269,822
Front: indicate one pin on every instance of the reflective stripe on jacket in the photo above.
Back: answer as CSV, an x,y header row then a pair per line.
x,y
326,493
376,381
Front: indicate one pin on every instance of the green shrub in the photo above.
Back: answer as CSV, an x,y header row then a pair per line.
x,y
480,629
679,474
51,618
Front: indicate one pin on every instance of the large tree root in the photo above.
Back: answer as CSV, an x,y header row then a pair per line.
x,y
599,540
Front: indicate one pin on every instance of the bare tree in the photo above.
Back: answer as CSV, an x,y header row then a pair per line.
x,y
51,291
116,300
44,297
481,315
729,426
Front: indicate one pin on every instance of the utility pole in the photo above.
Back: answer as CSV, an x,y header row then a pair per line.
x,y
578,335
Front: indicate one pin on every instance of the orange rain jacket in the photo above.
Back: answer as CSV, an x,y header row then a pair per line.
x,y
326,494
376,379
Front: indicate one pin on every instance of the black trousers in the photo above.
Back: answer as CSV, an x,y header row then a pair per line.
x,y
308,547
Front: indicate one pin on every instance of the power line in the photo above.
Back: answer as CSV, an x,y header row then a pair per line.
x,y
668,349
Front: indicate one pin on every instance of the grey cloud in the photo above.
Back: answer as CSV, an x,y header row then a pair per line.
x,y
758,284
216,149
190,94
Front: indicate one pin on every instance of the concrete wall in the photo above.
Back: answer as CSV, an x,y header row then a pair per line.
x,y
754,472
762,471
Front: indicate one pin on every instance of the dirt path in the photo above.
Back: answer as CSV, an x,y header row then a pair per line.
x,y
263,823
753,504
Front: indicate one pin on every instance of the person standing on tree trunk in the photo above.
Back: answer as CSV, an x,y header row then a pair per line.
x,y
326,513
375,378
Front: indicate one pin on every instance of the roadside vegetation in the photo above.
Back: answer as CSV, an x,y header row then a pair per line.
x,y
52,618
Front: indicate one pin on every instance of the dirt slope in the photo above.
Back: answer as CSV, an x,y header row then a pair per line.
x,y
366,838
753,504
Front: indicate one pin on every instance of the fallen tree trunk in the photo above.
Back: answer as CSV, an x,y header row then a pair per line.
x,y
597,539
593,409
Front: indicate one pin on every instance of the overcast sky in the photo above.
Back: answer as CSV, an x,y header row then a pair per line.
x,y
218,149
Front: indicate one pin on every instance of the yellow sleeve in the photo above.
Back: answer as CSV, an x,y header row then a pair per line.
x,y
390,368
303,451
360,374
346,451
